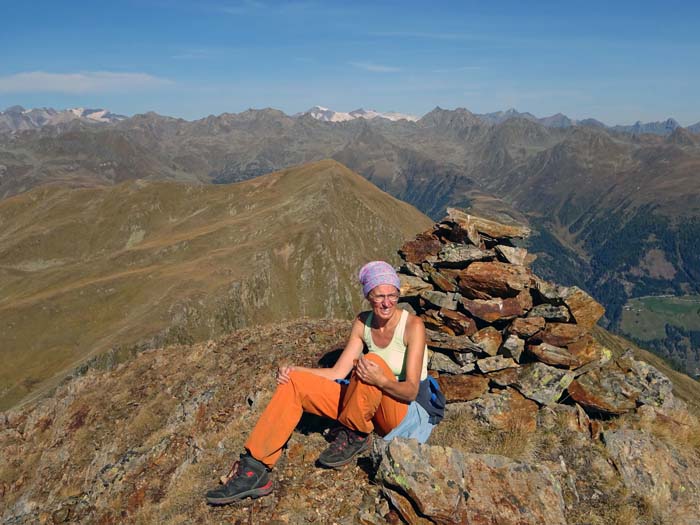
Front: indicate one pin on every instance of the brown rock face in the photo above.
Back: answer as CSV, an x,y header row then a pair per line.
x,y
424,247
506,409
506,377
491,310
494,279
526,327
506,492
583,307
664,476
488,340
560,334
459,323
433,321
463,388
604,390
553,355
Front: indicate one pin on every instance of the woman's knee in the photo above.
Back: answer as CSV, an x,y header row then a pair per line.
x,y
379,361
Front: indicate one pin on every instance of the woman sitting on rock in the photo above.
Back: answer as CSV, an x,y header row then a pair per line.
x,y
383,384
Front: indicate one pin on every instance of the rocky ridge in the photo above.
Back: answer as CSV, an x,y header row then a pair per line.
x,y
520,443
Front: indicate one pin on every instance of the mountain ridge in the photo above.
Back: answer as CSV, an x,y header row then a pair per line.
x,y
109,267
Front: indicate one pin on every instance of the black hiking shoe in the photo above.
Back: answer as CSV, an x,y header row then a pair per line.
x,y
346,445
248,478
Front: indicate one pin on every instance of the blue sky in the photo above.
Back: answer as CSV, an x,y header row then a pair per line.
x,y
615,61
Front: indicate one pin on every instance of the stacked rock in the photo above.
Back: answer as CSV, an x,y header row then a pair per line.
x,y
491,322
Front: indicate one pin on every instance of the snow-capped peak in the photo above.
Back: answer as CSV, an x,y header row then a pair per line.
x,y
328,115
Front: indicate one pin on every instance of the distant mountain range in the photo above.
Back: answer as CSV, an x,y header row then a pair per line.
x,y
17,118
328,115
616,213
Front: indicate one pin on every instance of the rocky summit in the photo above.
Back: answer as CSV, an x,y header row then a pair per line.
x,y
550,420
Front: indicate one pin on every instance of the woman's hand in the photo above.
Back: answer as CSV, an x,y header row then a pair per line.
x,y
283,372
369,372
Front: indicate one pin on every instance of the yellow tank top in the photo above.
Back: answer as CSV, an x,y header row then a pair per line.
x,y
394,354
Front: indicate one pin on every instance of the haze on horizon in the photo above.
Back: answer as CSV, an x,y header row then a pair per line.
x,y
618,63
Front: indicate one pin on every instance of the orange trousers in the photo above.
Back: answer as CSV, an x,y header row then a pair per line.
x,y
358,406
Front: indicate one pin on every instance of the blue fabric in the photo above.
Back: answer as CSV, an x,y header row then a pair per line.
x,y
414,425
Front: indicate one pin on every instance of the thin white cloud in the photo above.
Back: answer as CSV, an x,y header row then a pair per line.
x,y
78,83
375,68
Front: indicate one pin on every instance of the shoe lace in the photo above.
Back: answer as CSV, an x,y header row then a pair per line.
x,y
235,471
341,440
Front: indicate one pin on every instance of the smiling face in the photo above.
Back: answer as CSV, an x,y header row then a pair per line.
x,y
383,299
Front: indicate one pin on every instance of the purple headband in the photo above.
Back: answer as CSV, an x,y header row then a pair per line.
x,y
375,273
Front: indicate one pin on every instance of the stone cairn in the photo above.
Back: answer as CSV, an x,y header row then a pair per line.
x,y
507,341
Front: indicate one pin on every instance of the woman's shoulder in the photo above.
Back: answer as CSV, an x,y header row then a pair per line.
x,y
413,322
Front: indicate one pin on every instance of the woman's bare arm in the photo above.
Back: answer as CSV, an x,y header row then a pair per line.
x,y
406,390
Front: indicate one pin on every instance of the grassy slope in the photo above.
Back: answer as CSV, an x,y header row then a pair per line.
x,y
647,316
85,270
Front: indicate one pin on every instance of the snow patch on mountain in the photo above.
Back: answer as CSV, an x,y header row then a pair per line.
x,y
329,115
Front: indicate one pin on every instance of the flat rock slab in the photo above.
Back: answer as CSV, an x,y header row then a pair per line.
x,y
506,492
448,487
463,387
511,254
505,409
460,255
583,307
459,323
483,280
505,377
553,355
491,310
619,386
488,340
654,388
605,390
495,363
431,477
551,313
456,343
526,327
445,365
440,299
494,229
543,383
667,477
560,334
